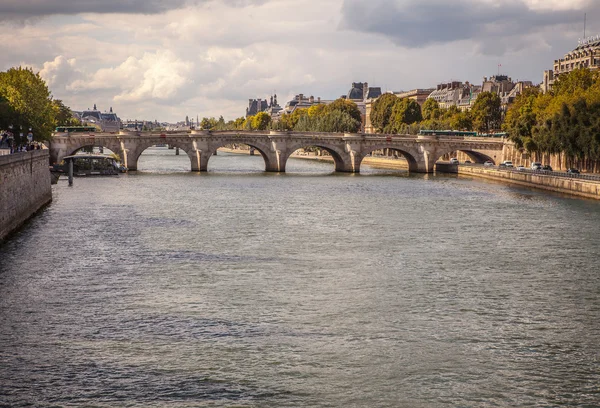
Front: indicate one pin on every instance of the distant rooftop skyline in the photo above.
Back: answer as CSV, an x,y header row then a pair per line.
x,y
165,59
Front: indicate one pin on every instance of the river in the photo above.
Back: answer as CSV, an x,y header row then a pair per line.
x,y
237,288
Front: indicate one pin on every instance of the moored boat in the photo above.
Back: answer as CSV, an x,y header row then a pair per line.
x,y
89,165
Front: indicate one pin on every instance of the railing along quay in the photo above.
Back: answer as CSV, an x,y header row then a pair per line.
x,y
563,174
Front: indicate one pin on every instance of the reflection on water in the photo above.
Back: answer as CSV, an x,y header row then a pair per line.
x,y
242,288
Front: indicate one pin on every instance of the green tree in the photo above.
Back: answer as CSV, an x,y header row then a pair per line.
x,y
462,121
521,117
575,82
346,106
317,110
404,112
381,111
486,112
261,121
63,114
238,124
30,101
431,109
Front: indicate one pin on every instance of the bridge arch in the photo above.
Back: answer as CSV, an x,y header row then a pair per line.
x,y
270,158
133,155
474,154
73,149
341,159
411,157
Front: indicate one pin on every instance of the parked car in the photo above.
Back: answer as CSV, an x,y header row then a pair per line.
x,y
488,163
572,171
536,166
508,163
521,168
468,162
454,160
546,167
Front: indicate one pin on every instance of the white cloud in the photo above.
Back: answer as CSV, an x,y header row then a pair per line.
x,y
60,72
159,76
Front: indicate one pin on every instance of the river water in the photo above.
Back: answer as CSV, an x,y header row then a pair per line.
x,y
238,288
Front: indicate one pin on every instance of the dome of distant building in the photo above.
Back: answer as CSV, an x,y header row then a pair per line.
x,y
355,93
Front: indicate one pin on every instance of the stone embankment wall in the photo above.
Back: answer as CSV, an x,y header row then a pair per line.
x,y
566,185
24,188
559,162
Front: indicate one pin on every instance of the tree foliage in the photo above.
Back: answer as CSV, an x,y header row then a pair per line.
x,y
565,120
261,121
487,112
63,114
431,109
339,116
26,103
381,111
404,112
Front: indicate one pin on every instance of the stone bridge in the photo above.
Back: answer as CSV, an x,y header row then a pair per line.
x,y
347,150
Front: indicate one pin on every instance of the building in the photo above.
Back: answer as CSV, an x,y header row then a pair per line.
x,y
454,93
463,96
360,92
302,102
107,121
274,110
418,95
586,55
255,106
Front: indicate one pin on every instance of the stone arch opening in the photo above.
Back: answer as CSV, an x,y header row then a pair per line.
x,y
405,158
254,149
95,149
466,155
314,153
162,158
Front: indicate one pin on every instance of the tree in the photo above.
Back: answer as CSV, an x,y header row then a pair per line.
x,y
486,112
431,109
289,121
317,110
381,111
346,106
63,114
575,82
261,121
30,101
521,116
338,121
461,121
208,123
238,124
404,112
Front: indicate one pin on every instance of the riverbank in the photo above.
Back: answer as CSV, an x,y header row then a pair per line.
x,y
576,187
565,185
25,188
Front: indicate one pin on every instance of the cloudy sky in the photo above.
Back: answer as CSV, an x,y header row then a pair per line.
x,y
165,59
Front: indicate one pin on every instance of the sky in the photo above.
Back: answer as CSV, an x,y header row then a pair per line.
x,y
165,59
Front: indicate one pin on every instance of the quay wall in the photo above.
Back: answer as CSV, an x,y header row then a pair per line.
x,y
24,188
565,185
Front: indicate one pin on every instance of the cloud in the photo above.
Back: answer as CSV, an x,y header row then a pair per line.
x,y
159,76
60,72
417,23
24,9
